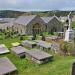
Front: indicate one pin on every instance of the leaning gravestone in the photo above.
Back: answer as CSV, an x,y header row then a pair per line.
x,y
73,68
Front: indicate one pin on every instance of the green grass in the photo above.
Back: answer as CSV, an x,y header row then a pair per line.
x,y
73,25
59,66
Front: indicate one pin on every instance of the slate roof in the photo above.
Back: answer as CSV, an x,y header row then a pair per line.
x,y
38,54
48,19
24,20
6,20
6,66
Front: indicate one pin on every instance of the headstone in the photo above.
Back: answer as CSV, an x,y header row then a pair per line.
x,y
73,68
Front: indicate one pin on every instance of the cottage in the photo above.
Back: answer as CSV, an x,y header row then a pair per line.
x,y
19,51
6,67
38,56
29,25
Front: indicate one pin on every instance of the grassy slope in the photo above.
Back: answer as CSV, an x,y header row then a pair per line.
x,y
59,66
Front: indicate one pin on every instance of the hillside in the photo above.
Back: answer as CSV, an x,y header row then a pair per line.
x,y
10,13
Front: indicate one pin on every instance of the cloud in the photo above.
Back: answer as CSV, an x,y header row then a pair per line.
x,y
12,1
28,5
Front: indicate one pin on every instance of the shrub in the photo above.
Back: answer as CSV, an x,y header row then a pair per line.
x,y
34,37
71,48
21,37
63,47
41,34
45,33
67,47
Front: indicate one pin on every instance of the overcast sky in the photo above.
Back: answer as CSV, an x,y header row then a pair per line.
x,y
37,5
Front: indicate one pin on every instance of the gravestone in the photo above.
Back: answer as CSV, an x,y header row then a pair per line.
x,y
73,68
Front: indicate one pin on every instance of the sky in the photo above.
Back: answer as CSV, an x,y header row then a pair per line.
x,y
37,5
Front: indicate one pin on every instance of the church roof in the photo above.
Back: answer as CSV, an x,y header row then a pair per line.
x,y
24,20
48,19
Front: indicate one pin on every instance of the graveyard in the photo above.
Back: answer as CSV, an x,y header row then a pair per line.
x,y
37,37
58,66
39,53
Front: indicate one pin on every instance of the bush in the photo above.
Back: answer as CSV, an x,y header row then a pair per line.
x,y
45,33
71,48
21,37
34,37
67,47
41,34
63,47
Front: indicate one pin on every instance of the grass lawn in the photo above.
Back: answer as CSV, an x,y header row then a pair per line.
x,y
59,66
73,25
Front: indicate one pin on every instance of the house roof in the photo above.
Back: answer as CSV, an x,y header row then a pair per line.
x,y
48,19
6,66
19,50
38,54
6,20
24,20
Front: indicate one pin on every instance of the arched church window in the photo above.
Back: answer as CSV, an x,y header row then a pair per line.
x,y
36,28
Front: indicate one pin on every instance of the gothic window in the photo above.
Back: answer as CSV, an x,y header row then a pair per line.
x,y
36,28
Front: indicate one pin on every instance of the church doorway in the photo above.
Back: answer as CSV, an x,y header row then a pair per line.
x,y
53,30
36,28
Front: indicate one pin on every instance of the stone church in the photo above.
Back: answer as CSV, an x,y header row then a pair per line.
x,y
28,25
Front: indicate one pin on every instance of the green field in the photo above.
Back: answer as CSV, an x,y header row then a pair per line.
x,y
61,65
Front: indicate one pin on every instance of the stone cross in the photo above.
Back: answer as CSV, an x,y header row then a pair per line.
x,y
69,20
69,34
